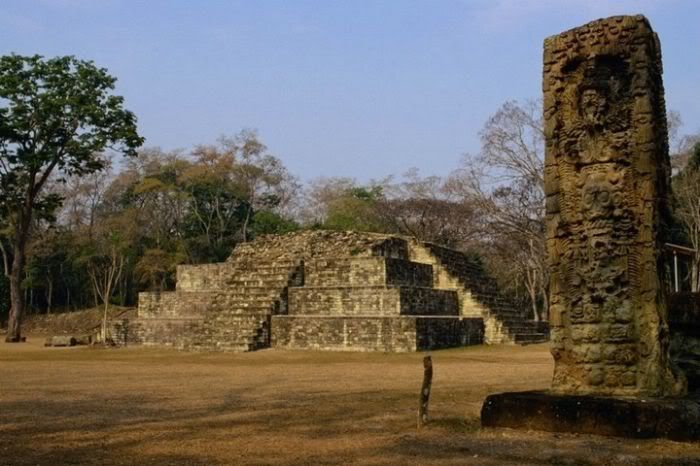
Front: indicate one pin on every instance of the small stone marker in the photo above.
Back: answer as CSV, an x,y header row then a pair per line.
x,y
60,340
424,398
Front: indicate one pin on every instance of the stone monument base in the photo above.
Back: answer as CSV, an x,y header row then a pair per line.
x,y
673,418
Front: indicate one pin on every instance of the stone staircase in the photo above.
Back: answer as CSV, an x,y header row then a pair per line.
x,y
254,289
504,322
332,290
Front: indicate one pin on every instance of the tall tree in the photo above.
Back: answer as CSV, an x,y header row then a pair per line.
x,y
56,116
506,181
686,187
105,258
263,179
428,209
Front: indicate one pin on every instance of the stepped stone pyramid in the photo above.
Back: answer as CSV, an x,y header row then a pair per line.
x,y
331,290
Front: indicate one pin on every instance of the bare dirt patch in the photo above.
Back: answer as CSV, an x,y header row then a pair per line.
x,y
147,406
86,321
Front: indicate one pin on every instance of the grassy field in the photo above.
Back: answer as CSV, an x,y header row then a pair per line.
x,y
61,406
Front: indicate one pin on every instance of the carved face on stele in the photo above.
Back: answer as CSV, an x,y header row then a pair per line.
x,y
593,105
600,198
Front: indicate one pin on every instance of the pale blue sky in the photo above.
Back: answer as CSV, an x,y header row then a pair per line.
x,y
336,88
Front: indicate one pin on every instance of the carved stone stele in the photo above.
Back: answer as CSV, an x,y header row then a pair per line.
x,y
607,187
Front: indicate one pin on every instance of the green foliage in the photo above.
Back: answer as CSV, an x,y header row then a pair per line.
x,y
215,215
355,209
4,297
694,160
268,222
56,115
156,268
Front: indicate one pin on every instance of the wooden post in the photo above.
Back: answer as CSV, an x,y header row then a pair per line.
x,y
425,391
675,271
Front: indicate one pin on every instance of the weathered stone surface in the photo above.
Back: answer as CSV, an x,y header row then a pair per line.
x,y
201,277
607,188
366,271
373,301
329,290
60,340
371,333
677,419
478,295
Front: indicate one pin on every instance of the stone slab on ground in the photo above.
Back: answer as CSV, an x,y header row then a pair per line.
x,y
672,418
68,340
60,340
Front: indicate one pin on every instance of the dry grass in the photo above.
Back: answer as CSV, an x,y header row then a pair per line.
x,y
62,406
86,321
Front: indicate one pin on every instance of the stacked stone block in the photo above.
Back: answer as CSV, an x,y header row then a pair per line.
x,y
479,296
326,290
374,303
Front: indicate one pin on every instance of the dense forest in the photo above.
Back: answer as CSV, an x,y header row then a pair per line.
x,y
125,225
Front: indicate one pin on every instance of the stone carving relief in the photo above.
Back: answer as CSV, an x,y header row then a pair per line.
x,y
606,185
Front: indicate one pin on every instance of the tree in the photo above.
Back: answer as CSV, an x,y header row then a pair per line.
x,y
681,146
342,204
56,117
154,268
266,222
686,190
427,208
216,205
263,179
105,257
506,182
356,209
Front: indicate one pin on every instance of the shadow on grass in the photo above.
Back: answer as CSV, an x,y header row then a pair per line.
x,y
284,428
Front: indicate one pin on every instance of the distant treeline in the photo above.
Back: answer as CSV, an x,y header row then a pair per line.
x,y
135,221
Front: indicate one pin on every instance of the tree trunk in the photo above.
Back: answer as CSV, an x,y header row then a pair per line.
x,y
245,224
545,304
532,290
425,391
49,296
16,297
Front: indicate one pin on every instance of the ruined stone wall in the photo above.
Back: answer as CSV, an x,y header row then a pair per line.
x,y
504,320
607,186
346,283
172,305
204,277
174,319
372,301
366,271
320,243
373,333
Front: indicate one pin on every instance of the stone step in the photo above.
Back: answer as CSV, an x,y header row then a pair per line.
x,y
492,300
258,282
240,311
257,275
250,293
519,328
248,298
524,338
262,265
506,314
246,304
248,317
253,290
